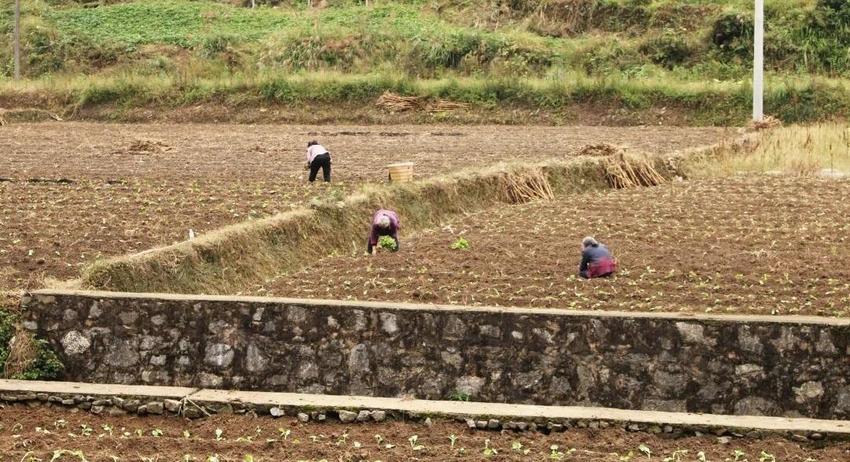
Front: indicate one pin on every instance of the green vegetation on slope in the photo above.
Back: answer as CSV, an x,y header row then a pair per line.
x,y
691,56
35,361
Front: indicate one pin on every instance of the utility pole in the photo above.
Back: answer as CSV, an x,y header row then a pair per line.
x,y
758,62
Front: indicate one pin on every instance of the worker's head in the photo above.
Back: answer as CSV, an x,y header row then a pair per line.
x,y
384,222
589,241
312,143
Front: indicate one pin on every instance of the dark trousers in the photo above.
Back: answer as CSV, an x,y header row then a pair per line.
x,y
322,161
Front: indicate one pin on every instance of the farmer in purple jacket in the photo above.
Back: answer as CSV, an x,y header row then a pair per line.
x,y
596,260
384,223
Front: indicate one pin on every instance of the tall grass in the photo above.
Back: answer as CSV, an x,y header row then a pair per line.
x,y
796,150
703,102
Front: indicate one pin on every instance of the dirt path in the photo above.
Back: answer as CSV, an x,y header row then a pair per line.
x,y
74,192
764,245
39,432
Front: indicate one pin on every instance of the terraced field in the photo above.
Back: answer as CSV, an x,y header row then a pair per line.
x,y
74,192
749,244
32,434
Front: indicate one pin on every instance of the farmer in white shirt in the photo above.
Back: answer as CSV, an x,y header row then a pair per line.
x,y
318,157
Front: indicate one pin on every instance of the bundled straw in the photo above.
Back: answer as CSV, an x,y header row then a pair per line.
x,y
521,187
443,106
629,172
397,103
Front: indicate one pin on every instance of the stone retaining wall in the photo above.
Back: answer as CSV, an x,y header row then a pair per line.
x,y
791,366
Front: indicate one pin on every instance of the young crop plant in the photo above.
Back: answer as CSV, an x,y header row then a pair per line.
x,y
414,443
518,447
387,243
766,457
458,395
488,450
555,452
460,244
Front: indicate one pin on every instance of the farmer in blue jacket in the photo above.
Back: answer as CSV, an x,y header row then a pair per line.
x,y
596,260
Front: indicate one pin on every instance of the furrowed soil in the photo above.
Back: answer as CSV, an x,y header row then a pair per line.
x,y
74,192
761,245
39,432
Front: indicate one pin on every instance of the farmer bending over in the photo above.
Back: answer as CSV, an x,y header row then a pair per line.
x,y
384,223
596,260
318,157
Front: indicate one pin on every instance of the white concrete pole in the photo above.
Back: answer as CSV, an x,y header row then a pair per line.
x,y
758,62
17,39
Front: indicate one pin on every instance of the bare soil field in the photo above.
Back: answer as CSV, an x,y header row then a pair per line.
x,y
29,434
762,245
74,192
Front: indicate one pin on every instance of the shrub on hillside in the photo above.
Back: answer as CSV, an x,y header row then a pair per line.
x,y
668,49
732,33
611,58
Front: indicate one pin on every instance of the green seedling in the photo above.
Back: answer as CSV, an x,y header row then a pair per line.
x,y
218,434
460,244
413,440
518,447
459,396
488,451
387,243
676,456
644,449
555,452
60,453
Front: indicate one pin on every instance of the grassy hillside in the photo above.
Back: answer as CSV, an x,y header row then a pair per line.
x,y
687,57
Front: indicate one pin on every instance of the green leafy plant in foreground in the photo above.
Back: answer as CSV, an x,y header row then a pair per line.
x,y
45,364
460,244
387,243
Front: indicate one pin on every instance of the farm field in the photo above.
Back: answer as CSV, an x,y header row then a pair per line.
x,y
746,244
74,192
39,433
